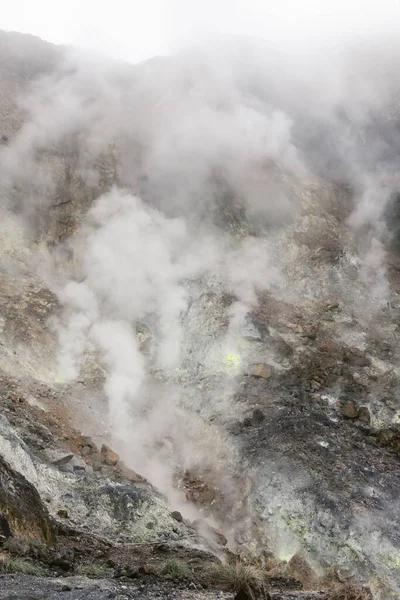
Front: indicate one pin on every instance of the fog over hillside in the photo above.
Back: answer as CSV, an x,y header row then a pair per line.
x,y
214,233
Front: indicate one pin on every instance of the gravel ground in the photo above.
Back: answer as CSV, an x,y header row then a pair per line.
x,y
13,587
22,587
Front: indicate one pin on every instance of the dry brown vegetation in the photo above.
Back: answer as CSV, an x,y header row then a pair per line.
x,y
238,577
351,592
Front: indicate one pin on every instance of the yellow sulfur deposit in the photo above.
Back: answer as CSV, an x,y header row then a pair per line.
x,y
232,363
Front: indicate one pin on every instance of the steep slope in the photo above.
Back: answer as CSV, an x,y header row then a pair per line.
x,y
201,273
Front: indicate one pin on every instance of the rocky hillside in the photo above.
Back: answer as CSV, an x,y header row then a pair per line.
x,y
198,327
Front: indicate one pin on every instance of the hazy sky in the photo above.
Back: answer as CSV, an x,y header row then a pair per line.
x,y
137,29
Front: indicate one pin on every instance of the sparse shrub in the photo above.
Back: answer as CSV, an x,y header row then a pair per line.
x,y
16,564
351,592
238,577
176,569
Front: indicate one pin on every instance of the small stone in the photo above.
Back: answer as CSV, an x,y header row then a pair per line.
x,y
306,331
261,370
327,347
361,379
86,451
177,516
124,587
356,357
112,595
299,569
64,460
64,559
250,332
66,588
66,468
315,386
364,415
63,513
79,469
192,586
349,410
331,304
108,456
78,464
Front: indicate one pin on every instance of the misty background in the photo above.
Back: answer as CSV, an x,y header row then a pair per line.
x,y
134,31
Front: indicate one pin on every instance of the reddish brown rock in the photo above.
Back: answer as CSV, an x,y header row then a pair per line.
x,y
108,456
299,568
361,379
261,370
356,357
349,410
327,347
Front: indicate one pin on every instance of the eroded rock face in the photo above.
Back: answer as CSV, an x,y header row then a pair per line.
x,y
23,508
5,531
314,457
37,493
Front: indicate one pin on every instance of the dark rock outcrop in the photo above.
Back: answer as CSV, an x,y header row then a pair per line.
x,y
22,507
